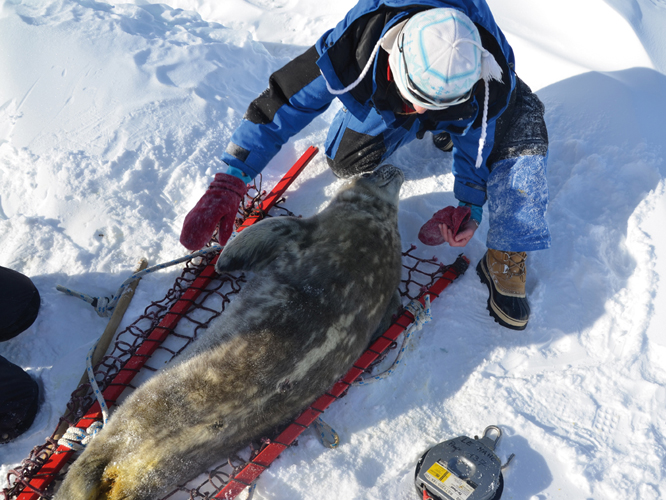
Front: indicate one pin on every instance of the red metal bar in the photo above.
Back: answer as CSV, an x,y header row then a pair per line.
x,y
284,183
111,394
254,468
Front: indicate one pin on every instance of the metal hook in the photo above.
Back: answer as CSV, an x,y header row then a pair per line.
x,y
488,441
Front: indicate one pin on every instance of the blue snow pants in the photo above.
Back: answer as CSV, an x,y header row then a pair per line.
x,y
516,189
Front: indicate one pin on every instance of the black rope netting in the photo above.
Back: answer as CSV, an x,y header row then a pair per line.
x,y
418,275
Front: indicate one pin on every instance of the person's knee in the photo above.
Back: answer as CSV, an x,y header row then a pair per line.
x,y
336,167
349,166
356,153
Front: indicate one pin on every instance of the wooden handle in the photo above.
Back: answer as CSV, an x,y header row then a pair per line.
x,y
104,342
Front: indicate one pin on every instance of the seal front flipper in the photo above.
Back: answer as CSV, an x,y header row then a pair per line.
x,y
258,245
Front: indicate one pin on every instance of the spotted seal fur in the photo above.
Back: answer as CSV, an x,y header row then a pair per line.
x,y
319,288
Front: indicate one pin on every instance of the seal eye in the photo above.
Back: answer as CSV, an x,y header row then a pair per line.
x,y
367,174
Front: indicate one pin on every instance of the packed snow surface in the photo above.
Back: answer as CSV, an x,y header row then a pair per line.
x,y
112,117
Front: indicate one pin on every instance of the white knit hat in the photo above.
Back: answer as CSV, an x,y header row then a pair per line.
x,y
438,57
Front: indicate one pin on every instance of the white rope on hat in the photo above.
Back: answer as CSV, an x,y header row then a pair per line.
x,y
490,70
484,125
355,83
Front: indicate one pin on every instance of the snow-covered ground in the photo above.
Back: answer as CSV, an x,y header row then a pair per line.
x,y
111,120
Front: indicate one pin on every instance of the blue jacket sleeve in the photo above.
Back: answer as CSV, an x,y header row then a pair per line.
x,y
295,96
470,182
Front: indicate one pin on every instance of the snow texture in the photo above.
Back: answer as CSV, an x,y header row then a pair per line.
x,y
112,117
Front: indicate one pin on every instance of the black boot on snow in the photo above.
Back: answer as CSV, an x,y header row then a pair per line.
x,y
19,401
504,275
443,141
19,303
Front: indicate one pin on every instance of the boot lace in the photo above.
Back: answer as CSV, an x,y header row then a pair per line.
x,y
514,265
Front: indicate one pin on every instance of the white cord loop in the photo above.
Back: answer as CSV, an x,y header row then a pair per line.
x,y
104,306
250,491
422,315
75,437
326,434
355,83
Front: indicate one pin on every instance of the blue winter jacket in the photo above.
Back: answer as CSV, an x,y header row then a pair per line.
x,y
297,92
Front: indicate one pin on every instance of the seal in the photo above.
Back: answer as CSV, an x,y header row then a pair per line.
x,y
318,289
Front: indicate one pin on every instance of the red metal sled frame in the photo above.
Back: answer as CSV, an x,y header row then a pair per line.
x,y
256,466
58,459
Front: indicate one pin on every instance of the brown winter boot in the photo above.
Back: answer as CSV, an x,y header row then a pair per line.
x,y
504,275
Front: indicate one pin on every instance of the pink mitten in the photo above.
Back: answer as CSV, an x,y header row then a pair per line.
x,y
218,205
453,217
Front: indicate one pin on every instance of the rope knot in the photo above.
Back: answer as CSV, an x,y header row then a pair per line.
x,y
420,312
77,439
